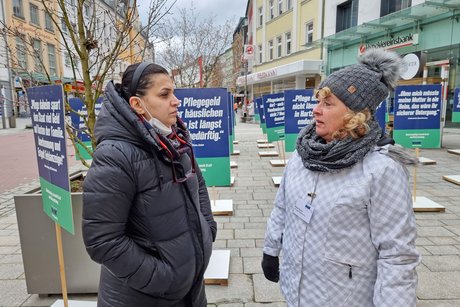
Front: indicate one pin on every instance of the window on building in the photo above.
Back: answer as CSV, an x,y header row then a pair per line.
x,y
86,11
391,6
52,59
259,49
280,7
21,52
261,16
49,22
270,50
288,43
288,5
279,46
17,9
272,9
37,45
347,15
67,60
34,14
308,32
63,26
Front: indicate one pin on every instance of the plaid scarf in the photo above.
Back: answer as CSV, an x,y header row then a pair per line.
x,y
317,155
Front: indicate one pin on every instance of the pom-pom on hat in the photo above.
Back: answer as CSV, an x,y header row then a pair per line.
x,y
366,84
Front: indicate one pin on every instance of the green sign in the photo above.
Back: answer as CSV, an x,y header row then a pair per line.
x,y
417,116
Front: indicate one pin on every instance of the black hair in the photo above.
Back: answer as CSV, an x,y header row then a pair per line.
x,y
143,81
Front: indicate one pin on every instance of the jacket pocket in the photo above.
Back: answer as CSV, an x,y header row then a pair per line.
x,y
179,255
342,280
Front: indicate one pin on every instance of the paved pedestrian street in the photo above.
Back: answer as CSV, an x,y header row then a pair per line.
x,y
243,233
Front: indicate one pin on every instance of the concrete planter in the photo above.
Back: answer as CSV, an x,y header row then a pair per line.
x,y
39,249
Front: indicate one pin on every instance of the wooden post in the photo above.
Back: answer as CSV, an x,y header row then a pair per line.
x,y
283,151
61,264
414,195
278,145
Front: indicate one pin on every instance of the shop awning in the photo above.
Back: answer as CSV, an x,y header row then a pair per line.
x,y
414,16
283,71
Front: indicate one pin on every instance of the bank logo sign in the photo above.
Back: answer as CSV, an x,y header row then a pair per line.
x,y
392,43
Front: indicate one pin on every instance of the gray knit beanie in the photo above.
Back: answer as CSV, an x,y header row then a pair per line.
x,y
366,84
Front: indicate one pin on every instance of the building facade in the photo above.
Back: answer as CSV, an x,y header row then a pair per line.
x,y
5,75
41,51
428,31
278,31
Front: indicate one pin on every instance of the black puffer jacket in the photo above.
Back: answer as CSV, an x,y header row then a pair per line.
x,y
153,236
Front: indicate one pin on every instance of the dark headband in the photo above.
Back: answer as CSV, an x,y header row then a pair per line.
x,y
137,75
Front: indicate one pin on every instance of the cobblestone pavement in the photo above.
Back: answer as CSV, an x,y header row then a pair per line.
x,y
252,194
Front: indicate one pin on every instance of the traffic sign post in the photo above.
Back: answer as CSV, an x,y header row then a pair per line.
x,y
248,52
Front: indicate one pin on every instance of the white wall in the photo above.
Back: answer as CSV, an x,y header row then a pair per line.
x,y
330,16
368,10
415,2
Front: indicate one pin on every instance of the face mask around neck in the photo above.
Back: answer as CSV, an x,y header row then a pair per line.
x,y
162,128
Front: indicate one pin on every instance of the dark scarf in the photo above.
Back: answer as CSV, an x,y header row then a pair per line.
x,y
170,143
317,155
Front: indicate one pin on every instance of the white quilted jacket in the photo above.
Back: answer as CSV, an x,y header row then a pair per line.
x,y
359,247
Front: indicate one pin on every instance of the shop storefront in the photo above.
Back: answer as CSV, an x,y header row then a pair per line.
x,y
297,75
427,36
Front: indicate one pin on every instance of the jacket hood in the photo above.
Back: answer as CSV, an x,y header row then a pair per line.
x,y
118,121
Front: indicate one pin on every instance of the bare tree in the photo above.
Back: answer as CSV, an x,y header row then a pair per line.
x,y
191,46
238,62
96,38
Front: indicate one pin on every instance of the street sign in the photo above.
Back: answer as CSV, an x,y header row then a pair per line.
x,y
248,52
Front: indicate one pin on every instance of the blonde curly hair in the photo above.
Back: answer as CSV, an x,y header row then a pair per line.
x,y
355,124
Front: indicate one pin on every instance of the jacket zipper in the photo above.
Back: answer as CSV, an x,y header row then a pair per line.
x,y
350,274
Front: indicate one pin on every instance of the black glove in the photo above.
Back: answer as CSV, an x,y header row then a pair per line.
x,y
271,267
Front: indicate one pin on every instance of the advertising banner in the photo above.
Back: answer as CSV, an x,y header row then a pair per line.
x,y
274,116
260,107
380,114
456,106
417,116
205,111
48,120
77,116
299,106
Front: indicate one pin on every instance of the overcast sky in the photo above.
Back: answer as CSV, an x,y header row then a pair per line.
x,y
221,9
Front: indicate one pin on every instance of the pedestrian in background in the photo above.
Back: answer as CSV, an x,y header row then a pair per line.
x,y
146,211
343,216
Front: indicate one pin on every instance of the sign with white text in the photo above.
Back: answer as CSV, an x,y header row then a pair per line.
x,y
417,116
260,107
274,116
78,115
48,120
456,106
299,106
380,114
205,111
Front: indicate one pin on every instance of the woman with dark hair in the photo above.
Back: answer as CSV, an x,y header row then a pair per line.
x,y
343,218
146,211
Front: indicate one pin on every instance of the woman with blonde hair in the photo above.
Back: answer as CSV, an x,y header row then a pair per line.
x,y
343,218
